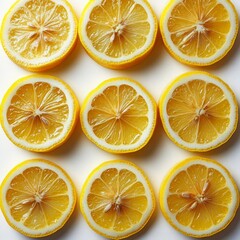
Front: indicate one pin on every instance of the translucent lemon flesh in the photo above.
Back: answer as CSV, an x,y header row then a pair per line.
x,y
198,111
199,28
117,200
118,28
38,29
199,197
37,112
119,115
37,198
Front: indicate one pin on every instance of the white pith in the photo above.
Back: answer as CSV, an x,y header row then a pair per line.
x,y
87,212
19,224
200,28
232,115
67,125
122,147
231,207
37,29
117,31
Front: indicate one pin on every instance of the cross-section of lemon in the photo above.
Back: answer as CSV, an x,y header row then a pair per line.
x,y
38,35
118,34
199,111
39,112
199,197
199,32
117,199
37,197
119,115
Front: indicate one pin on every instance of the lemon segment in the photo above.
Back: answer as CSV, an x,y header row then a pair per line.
x,y
37,198
199,197
118,34
119,115
39,112
117,199
38,35
199,32
199,111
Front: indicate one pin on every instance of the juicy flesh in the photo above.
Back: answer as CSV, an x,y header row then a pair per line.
x,y
38,29
38,112
199,197
198,112
199,28
117,200
118,115
118,28
37,198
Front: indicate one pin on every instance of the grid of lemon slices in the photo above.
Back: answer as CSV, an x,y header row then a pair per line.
x,y
199,112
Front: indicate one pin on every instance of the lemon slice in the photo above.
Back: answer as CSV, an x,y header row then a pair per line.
x,y
119,116
37,198
199,111
118,34
39,113
117,199
199,197
38,35
199,32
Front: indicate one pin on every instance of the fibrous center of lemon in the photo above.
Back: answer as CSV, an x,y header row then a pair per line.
x,y
38,29
117,30
199,198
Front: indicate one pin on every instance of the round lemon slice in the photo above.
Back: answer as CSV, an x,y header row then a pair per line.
x,y
37,197
117,199
119,115
199,197
118,34
199,32
38,35
199,111
39,113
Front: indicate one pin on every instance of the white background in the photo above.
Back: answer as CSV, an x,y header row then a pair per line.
x,y
79,156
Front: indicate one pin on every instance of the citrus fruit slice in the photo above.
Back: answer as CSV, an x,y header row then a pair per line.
x,y
37,198
199,111
199,33
38,35
39,112
199,197
119,116
118,34
117,199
